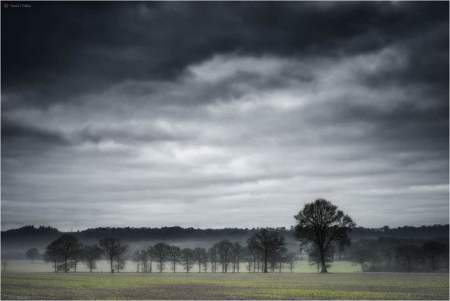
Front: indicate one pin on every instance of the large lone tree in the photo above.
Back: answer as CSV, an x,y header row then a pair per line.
x,y
322,225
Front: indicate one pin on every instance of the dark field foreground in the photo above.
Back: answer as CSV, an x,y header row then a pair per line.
x,y
224,286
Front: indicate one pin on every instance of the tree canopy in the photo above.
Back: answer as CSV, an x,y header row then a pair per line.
x,y
267,242
32,254
64,248
321,224
113,248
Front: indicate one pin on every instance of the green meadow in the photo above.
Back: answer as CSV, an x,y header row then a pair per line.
x,y
343,284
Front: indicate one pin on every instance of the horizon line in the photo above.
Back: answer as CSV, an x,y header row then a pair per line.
x,y
109,227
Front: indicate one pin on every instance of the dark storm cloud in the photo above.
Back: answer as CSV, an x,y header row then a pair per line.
x,y
187,111
17,131
82,47
20,140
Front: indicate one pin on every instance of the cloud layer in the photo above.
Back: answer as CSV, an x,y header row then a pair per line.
x,y
224,114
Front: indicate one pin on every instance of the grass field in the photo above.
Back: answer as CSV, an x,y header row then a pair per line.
x,y
48,285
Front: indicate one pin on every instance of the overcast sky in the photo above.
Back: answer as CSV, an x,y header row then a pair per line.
x,y
224,114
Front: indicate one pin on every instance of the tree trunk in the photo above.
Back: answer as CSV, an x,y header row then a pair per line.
x,y
112,266
65,265
322,260
265,263
151,265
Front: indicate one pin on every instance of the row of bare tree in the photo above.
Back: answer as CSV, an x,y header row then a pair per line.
x,y
66,252
265,251
320,227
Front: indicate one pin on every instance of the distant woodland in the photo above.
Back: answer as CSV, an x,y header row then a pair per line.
x,y
17,241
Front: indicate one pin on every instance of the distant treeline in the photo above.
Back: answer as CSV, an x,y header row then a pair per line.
x,y
144,233
408,232
30,236
135,234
